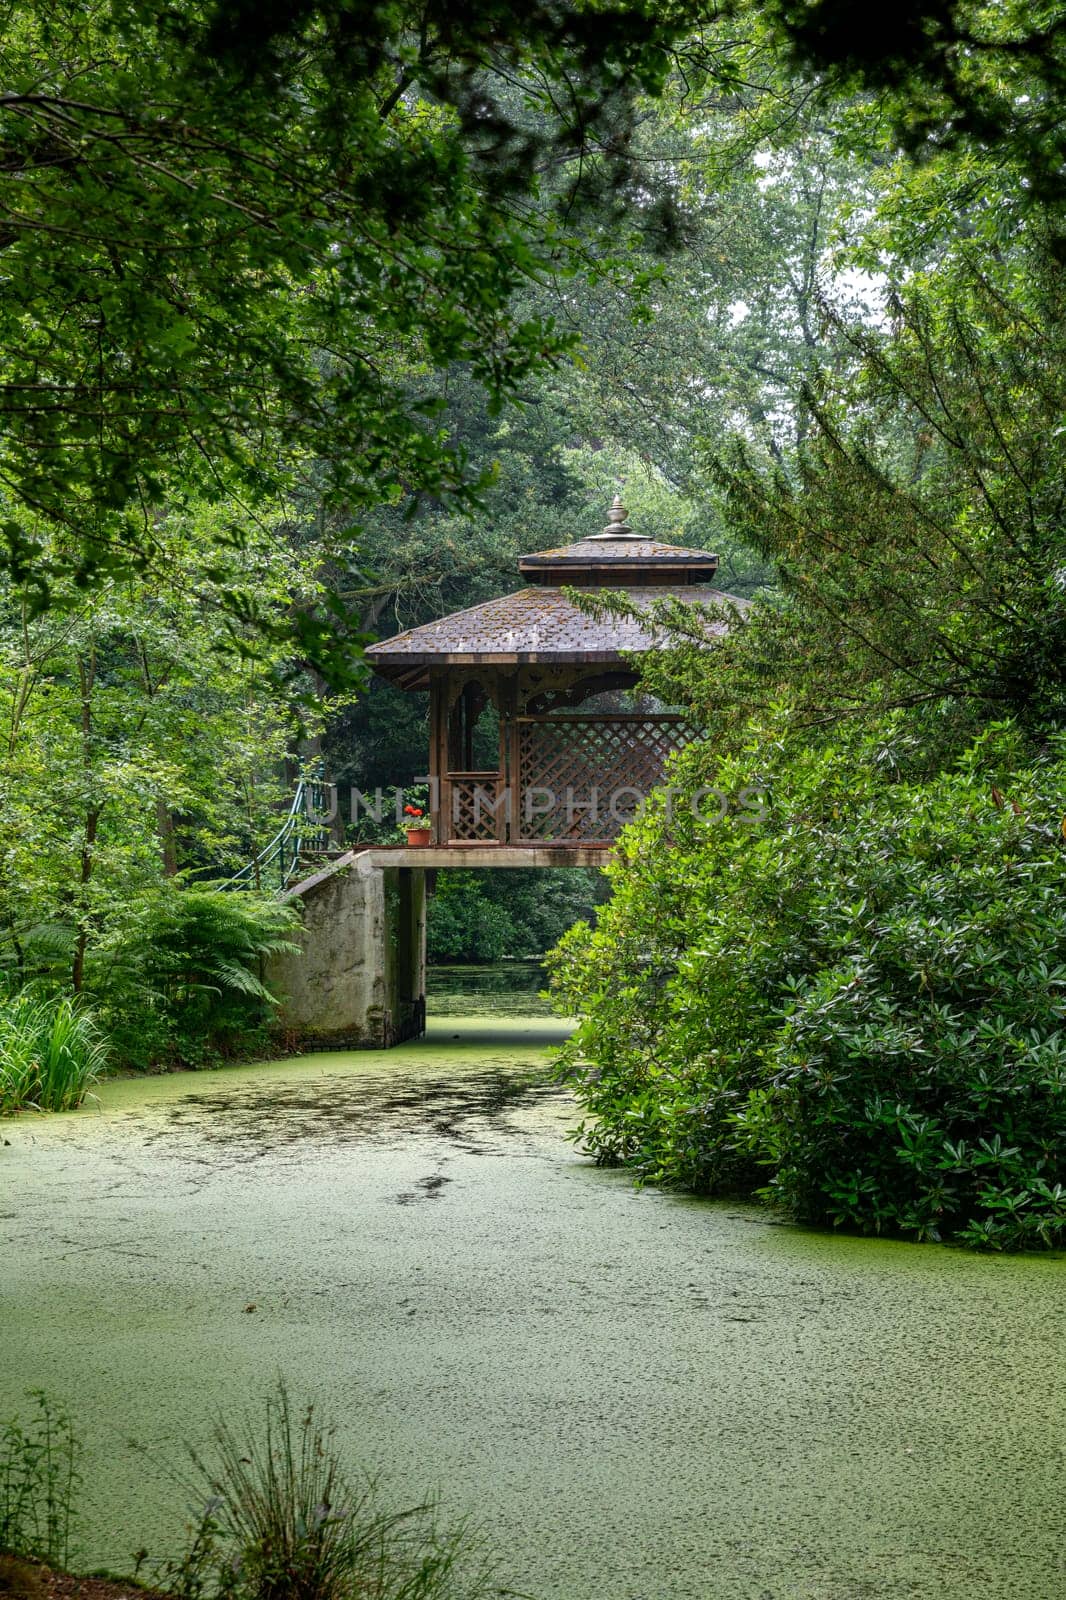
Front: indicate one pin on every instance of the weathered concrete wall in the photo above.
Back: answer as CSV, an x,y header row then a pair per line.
x,y
359,980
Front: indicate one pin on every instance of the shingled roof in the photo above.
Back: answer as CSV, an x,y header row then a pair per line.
x,y
534,626
598,550
540,625
596,563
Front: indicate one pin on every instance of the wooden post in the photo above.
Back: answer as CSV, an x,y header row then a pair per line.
x,y
503,696
438,754
514,777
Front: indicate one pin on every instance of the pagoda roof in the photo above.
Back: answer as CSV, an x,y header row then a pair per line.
x,y
597,548
535,626
540,625
620,553
602,559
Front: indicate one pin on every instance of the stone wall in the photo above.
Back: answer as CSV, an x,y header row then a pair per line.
x,y
359,980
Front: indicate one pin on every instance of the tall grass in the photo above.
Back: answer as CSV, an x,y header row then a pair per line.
x,y
39,1478
51,1053
280,1522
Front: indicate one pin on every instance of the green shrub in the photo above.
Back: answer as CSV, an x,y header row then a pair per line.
x,y
463,925
40,960
182,981
485,915
51,1053
859,1002
918,1082
39,1478
280,1522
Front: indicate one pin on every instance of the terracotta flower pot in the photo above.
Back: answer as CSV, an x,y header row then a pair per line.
x,y
419,838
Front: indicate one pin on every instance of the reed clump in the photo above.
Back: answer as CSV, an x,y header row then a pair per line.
x,y
51,1053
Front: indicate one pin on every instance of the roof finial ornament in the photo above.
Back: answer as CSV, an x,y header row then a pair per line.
x,y
617,526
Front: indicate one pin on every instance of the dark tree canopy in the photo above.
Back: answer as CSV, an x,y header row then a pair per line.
x,y
238,237
953,70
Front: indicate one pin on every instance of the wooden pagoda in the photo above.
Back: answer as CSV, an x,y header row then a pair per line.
x,y
543,684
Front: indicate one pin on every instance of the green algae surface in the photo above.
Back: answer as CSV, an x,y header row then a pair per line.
x,y
636,1395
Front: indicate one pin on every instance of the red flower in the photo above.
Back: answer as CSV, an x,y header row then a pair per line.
x,y
411,811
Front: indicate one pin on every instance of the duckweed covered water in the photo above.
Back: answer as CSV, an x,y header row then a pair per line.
x,y
498,989
639,1396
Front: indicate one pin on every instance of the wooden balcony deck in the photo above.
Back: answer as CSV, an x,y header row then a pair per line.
x,y
431,857
487,855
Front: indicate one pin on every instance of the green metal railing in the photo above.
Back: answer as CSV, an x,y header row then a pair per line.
x,y
303,833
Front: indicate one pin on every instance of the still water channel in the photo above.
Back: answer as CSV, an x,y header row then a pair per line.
x,y
636,1395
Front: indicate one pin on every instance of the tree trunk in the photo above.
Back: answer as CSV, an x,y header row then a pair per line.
x,y
86,676
77,975
165,829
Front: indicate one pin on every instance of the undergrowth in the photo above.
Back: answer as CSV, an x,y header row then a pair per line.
x,y
39,1480
51,1053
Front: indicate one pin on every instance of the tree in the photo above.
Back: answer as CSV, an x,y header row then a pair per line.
x,y
918,534
236,238
723,329
954,73
141,748
855,1000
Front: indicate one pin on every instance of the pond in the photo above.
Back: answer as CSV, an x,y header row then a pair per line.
x,y
501,988
636,1395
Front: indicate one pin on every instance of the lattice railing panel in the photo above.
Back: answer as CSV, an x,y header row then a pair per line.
x,y
581,779
469,799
